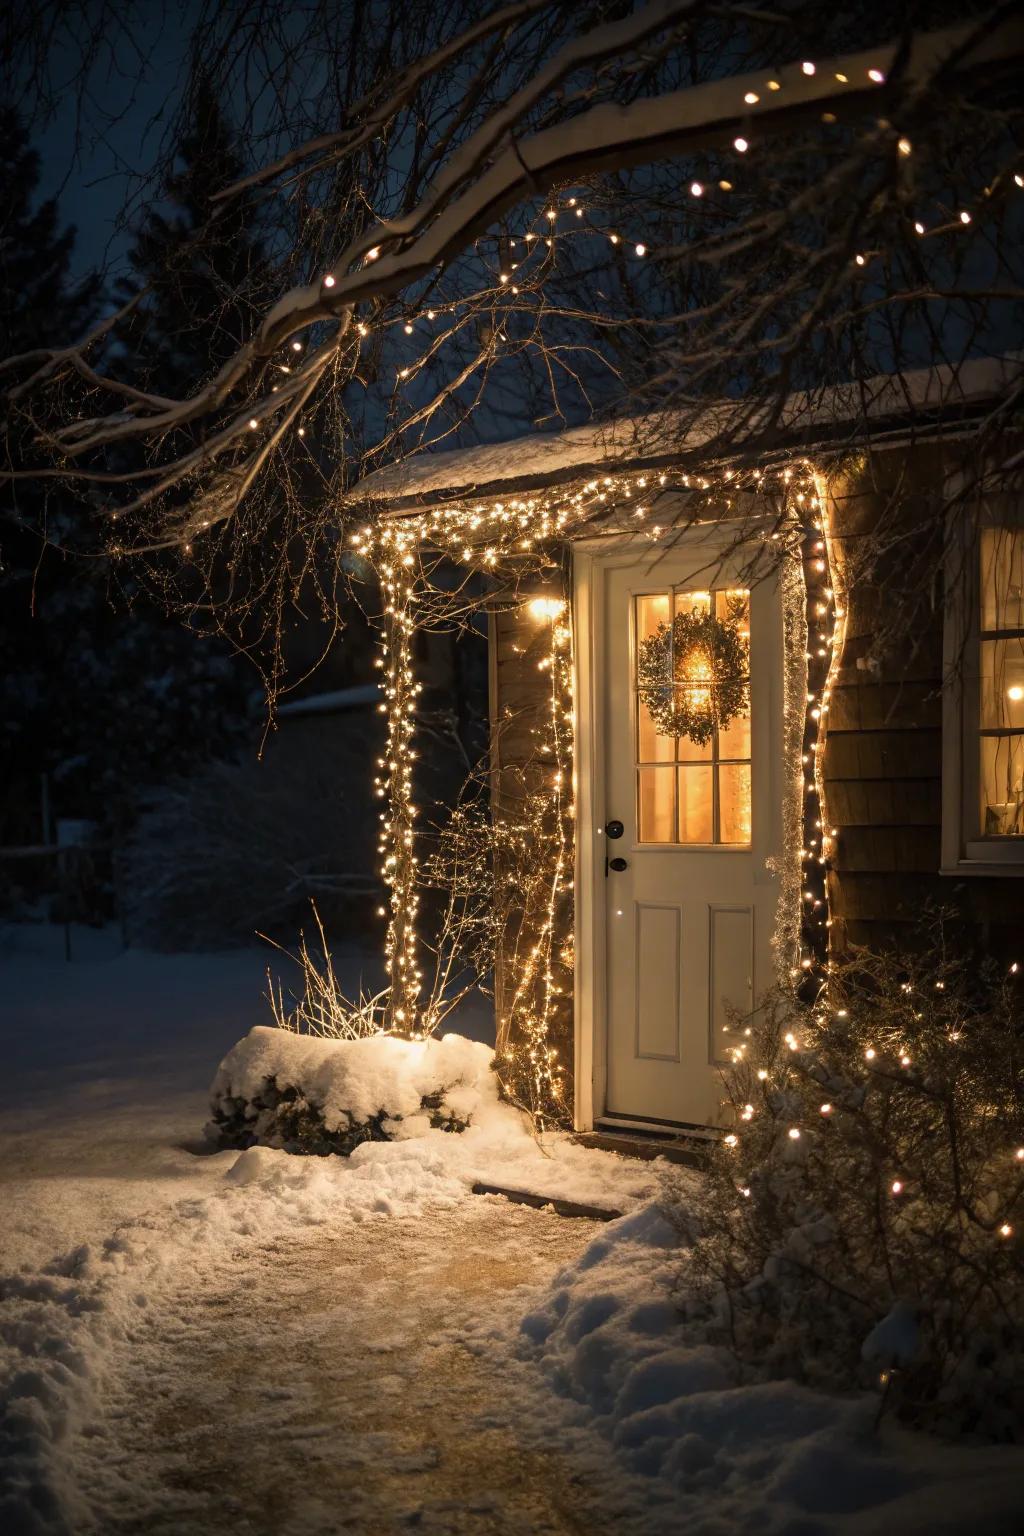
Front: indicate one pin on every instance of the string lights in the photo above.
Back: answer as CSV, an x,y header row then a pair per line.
x,y
535,246
509,542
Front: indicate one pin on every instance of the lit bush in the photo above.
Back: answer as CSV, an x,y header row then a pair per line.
x,y
863,1217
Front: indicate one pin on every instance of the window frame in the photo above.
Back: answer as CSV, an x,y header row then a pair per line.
x,y
964,852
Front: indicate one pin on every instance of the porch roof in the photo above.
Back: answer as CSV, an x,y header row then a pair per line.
x,y
926,401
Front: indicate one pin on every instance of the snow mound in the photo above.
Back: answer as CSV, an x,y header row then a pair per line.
x,y
305,1093
731,1452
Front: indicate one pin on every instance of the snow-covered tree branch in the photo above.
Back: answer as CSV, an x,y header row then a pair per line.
x,y
542,216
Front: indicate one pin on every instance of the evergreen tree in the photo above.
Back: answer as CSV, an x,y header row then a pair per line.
x,y
200,259
99,689
39,303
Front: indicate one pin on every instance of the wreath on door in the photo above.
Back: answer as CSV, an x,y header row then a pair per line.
x,y
693,675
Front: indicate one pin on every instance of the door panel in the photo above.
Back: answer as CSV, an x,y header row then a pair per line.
x,y
659,961
689,919
732,973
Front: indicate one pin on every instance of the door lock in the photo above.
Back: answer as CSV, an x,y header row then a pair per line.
x,y
618,865
614,828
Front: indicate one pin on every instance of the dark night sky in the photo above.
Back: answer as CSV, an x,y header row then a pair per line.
x,y
95,150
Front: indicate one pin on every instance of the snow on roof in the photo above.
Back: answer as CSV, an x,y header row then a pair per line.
x,y
807,419
332,703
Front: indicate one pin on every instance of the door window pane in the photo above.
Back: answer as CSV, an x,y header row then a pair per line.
x,y
656,812
733,603
689,751
692,602
652,746
734,740
696,805
709,801
734,803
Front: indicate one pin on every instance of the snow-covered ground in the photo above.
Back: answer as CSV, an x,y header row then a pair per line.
x,y
260,1343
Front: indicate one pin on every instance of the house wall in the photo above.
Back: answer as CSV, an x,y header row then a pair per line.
x,y
883,752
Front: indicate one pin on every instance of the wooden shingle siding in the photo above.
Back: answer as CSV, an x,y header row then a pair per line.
x,y
887,706
882,760
911,802
860,756
882,763
910,849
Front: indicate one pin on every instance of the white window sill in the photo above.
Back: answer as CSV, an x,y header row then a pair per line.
x,y
988,861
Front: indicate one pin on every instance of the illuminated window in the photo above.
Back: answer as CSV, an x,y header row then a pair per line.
x,y
983,696
691,791
1000,690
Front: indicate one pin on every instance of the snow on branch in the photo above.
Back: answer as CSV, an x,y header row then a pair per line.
x,y
806,225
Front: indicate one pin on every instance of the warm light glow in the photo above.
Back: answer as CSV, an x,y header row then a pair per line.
x,y
545,607
493,536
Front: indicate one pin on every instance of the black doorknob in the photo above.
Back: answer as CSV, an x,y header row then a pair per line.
x,y
614,828
618,865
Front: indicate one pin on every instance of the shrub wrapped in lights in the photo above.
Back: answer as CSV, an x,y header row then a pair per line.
x,y
863,1216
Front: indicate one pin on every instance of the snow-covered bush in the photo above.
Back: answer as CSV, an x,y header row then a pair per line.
x,y
863,1219
301,1093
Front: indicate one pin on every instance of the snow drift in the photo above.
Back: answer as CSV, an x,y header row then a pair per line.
x,y
724,1450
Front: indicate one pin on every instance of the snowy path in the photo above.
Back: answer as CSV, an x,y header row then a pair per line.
x,y
317,1386
199,1356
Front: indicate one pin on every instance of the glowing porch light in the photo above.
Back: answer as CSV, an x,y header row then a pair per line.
x,y
541,608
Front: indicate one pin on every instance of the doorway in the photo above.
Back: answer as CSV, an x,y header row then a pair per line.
x,y
681,775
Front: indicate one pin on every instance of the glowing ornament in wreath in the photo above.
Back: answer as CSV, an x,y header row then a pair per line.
x,y
692,675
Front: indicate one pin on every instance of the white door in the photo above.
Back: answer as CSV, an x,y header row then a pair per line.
x,y
690,909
